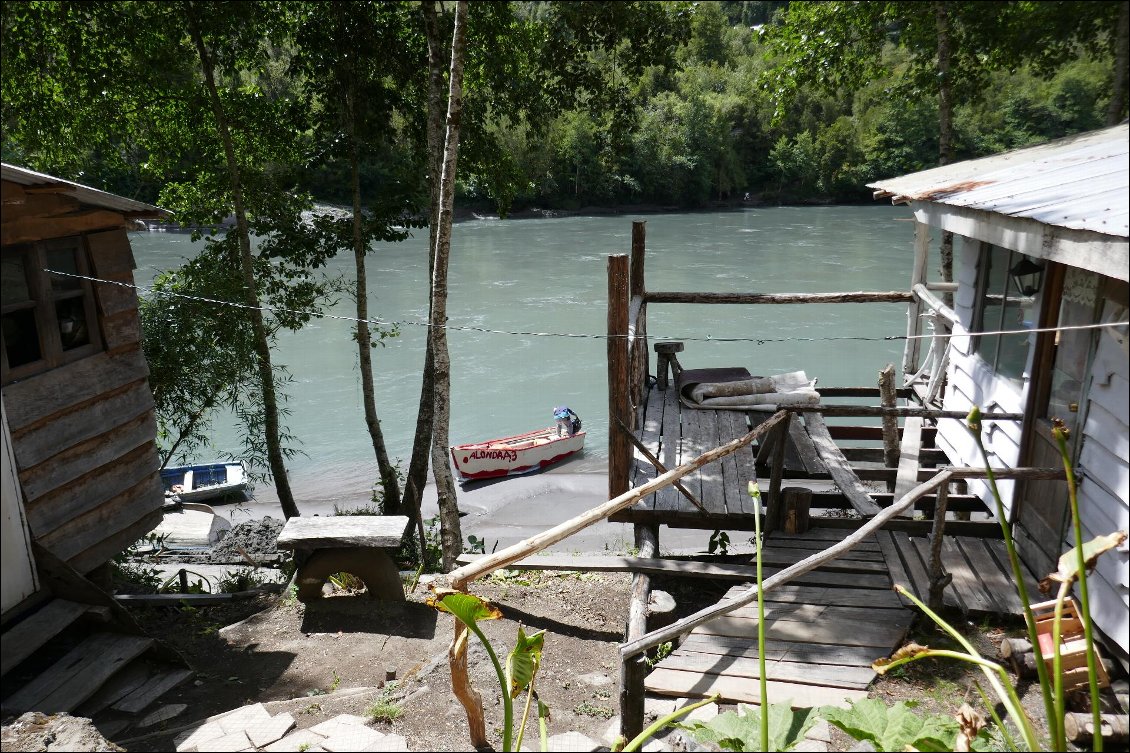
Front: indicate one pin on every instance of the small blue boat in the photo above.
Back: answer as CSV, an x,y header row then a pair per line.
x,y
193,483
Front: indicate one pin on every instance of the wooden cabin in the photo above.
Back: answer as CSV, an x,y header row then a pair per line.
x,y
1040,245
79,457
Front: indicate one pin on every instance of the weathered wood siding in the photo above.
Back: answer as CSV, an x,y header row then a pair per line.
x,y
971,382
83,434
1104,470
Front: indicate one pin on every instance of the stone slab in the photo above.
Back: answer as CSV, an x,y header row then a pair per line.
x,y
162,714
239,719
227,744
267,731
295,740
190,739
352,737
340,724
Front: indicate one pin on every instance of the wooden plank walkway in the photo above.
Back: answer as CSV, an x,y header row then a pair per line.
x,y
820,638
982,577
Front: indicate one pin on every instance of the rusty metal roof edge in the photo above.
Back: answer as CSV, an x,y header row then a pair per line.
x,y
85,194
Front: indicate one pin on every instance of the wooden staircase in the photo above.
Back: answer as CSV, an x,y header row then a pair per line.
x,y
77,651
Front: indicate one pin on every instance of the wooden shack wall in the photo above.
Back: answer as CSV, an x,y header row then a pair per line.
x,y
83,434
1104,470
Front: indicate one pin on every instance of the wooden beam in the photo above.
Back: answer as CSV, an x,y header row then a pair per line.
x,y
908,456
28,229
889,296
658,465
872,410
461,577
838,465
619,400
890,423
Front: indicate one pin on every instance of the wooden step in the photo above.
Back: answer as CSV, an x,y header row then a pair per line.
x,y
27,637
78,675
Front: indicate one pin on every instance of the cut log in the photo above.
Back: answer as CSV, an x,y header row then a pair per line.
x,y
1080,728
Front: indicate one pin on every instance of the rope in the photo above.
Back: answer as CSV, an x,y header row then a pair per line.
x,y
586,336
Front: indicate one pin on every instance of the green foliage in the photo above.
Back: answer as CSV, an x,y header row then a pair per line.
x,y
742,731
384,710
408,555
719,543
893,728
475,545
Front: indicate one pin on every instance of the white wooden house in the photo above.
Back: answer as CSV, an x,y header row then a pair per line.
x,y
1040,245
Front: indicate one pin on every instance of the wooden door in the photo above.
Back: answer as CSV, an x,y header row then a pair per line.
x,y
19,578
1057,392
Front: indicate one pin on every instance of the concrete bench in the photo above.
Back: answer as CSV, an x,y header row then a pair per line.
x,y
358,544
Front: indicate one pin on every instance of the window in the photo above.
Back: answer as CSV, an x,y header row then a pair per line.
x,y
1001,306
47,319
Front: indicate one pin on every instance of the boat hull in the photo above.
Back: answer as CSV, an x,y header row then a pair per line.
x,y
512,456
194,483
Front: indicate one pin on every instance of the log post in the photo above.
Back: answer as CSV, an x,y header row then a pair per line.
x,y
917,276
796,505
939,578
773,508
633,669
619,397
1080,728
888,397
638,322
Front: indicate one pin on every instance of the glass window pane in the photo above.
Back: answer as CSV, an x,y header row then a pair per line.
x,y
13,279
63,260
21,337
73,331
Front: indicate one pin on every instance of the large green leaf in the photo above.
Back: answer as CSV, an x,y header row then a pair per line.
x,y
893,728
524,659
734,731
467,607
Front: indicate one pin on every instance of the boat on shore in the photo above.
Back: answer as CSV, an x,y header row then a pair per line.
x,y
194,483
511,456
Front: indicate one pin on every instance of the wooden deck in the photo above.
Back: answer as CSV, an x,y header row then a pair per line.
x,y
821,638
838,475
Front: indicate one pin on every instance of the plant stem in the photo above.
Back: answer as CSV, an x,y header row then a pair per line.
x,y
1055,726
1001,685
525,717
507,702
659,724
1060,437
763,683
991,708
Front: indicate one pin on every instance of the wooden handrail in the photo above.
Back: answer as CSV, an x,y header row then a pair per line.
x,y
792,572
936,304
464,575
882,296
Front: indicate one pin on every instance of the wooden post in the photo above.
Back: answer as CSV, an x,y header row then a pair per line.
x,y
619,400
796,505
888,396
773,508
939,578
182,574
638,324
633,669
917,277
639,235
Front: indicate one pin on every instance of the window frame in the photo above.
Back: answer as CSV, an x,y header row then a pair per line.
x,y
984,269
44,300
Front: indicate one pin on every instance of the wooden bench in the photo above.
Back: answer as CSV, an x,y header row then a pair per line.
x,y
358,544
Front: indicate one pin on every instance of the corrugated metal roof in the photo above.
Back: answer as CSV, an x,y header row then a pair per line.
x,y
84,194
1081,182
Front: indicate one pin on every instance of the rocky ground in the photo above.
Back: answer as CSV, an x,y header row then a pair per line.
x,y
385,664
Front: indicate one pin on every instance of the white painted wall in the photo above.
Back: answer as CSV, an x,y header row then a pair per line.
x,y
18,578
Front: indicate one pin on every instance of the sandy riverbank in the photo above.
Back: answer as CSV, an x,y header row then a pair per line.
x,y
499,511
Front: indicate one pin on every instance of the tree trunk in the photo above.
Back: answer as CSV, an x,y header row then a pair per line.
x,y
262,344
1121,68
945,125
450,533
425,415
389,484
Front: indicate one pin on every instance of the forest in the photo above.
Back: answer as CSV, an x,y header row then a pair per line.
x,y
681,105
260,111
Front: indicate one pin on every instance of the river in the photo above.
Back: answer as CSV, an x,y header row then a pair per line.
x,y
527,308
